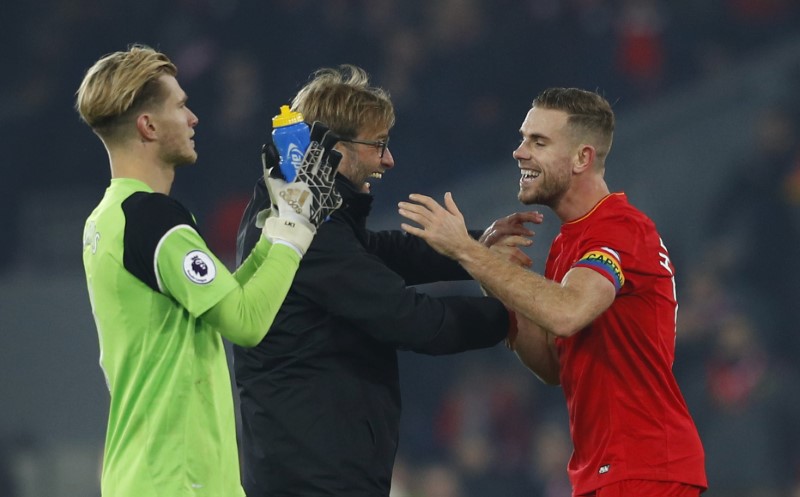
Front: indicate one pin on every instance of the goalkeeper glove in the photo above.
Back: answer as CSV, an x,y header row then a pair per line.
x,y
300,206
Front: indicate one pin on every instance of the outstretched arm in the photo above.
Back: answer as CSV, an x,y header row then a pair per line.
x,y
245,314
562,309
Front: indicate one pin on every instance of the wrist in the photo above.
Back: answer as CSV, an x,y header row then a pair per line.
x,y
291,232
292,216
470,253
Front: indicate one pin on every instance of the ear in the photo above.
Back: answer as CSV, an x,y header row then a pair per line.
x,y
584,158
146,127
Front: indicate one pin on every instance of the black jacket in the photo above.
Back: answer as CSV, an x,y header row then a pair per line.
x,y
320,395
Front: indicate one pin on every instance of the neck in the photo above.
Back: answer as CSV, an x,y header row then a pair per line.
x,y
580,199
141,166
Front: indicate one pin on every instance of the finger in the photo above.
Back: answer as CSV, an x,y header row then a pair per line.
x,y
451,206
412,230
417,209
334,157
513,255
425,200
529,217
521,258
516,241
411,215
501,230
497,235
423,211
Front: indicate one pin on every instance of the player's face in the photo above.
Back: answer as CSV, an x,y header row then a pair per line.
x,y
175,124
544,157
361,162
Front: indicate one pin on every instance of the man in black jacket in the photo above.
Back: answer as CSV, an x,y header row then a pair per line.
x,y
320,396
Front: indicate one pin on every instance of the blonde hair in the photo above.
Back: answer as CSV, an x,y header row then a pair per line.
x,y
119,85
343,100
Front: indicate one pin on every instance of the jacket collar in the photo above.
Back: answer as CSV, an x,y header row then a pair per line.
x,y
356,202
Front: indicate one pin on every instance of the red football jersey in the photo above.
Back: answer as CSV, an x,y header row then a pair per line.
x,y
628,418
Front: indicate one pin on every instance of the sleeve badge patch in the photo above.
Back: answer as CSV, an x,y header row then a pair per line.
x,y
199,267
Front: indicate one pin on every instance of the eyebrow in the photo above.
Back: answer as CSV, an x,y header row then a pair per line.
x,y
534,136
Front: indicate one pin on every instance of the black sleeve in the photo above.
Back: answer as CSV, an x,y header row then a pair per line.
x,y
148,217
354,286
458,331
413,259
248,233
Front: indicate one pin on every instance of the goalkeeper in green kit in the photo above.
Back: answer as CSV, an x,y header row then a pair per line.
x,y
161,300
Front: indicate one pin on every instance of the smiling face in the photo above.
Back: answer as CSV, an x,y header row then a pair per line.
x,y
361,162
175,125
545,157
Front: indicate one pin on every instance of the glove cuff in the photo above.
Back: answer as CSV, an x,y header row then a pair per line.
x,y
296,235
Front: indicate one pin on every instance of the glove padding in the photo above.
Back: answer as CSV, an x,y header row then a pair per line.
x,y
300,206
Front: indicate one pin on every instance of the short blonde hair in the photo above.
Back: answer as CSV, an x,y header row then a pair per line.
x,y
343,100
119,85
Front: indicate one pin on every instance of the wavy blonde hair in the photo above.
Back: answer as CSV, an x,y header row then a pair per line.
x,y
119,85
343,100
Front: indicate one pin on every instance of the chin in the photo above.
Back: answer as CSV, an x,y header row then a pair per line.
x,y
186,161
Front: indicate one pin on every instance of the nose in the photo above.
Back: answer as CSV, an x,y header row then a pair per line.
x,y
193,119
387,161
518,152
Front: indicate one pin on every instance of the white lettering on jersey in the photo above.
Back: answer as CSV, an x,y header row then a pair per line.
x,y
91,237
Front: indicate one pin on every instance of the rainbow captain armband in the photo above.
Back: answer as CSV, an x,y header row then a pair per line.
x,y
606,262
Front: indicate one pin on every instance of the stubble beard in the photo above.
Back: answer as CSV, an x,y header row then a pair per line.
x,y
547,194
181,157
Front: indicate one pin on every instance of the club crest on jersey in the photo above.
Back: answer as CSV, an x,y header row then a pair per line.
x,y
199,267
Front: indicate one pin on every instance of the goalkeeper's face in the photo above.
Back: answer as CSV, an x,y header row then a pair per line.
x,y
175,124
362,162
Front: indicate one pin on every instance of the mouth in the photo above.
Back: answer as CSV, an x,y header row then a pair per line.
x,y
528,176
376,175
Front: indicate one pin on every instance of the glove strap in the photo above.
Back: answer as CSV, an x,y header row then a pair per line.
x,y
287,232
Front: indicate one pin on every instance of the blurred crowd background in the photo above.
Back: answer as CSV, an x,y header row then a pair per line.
x,y
707,144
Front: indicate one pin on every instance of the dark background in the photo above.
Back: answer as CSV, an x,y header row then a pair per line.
x,y
707,144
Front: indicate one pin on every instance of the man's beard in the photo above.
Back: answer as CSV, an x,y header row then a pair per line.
x,y
547,196
181,159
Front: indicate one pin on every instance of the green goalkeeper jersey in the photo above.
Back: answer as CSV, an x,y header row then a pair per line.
x,y
171,428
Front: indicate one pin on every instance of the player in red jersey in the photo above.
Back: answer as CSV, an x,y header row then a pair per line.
x,y
601,321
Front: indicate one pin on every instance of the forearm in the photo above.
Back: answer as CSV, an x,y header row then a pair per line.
x,y
535,347
413,259
245,315
253,260
531,295
468,324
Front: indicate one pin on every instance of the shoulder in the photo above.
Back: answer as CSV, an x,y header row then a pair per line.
x,y
154,214
618,216
153,204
